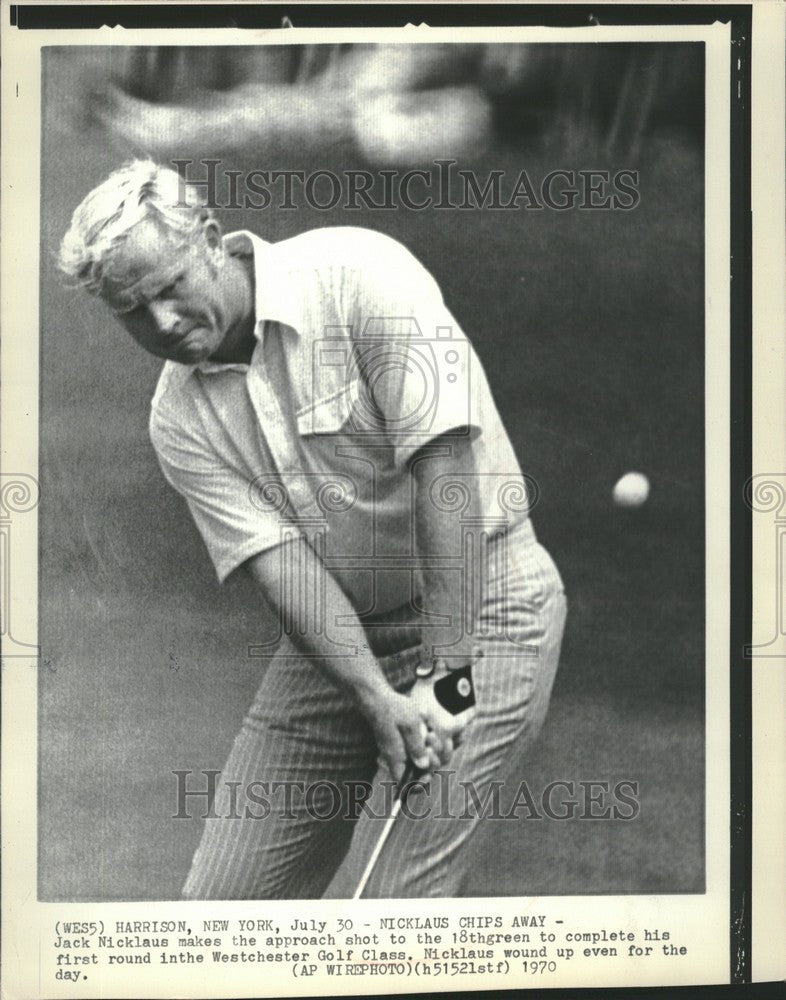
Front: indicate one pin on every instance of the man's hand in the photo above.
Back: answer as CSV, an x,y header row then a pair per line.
x,y
414,728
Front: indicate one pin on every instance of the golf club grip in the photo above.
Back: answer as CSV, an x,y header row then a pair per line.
x,y
456,694
411,773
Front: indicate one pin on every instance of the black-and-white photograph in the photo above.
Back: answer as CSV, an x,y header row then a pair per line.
x,y
372,452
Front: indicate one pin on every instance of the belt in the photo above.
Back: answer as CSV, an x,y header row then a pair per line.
x,y
392,631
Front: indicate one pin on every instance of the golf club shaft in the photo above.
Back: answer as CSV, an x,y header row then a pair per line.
x,y
410,773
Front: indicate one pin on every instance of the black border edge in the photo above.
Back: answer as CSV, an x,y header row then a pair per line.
x,y
741,517
343,15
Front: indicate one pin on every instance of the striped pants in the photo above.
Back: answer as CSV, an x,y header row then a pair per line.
x,y
303,798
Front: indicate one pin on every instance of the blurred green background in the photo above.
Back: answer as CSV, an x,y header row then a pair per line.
x,y
591,328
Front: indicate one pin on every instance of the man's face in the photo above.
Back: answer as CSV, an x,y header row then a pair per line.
x,y
168,294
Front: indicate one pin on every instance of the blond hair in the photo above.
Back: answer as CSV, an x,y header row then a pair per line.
x,y
138,190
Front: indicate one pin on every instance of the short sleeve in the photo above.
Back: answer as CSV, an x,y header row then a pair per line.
x,y
420,377
229,513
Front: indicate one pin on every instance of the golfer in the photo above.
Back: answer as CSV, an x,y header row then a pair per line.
x,y
334,436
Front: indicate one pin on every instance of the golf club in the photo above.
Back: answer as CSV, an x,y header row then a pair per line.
x,y
455,693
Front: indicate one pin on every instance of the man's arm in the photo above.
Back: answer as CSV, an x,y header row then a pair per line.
x,y
436,536
399,725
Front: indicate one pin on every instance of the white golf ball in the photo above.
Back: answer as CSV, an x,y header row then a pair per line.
x,y
632,490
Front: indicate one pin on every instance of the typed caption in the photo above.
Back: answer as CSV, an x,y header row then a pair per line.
x,y
427,947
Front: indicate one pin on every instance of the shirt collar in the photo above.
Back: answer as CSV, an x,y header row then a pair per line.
x,y
274,297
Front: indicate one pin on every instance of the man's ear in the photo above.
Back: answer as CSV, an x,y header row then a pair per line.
x,y
212,231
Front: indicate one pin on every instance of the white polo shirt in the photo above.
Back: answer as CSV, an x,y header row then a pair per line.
x,y
359,366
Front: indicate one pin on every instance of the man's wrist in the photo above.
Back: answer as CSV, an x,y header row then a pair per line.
x,y
370,686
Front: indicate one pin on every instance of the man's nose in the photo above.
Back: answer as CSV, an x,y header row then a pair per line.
x,y
165,315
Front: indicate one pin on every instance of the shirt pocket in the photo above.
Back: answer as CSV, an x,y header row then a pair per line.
x,y
329,414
